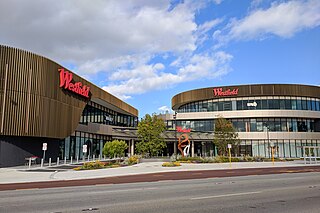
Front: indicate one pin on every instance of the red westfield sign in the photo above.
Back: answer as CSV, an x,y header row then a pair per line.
x,y
65,82
228,92
179,129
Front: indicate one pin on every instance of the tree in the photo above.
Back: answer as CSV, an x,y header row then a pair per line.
x,y
224,134
149,133
115,148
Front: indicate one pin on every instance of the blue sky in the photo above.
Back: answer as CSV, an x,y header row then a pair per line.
x,y
145,52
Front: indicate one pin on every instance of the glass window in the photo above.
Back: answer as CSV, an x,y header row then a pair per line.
x,y
277,125
304,104
253,125
227,105
282,103
309,104
276,104
284,125
264,104
220,106
258,104
245,104
241,125
239,105
260,125
210,107
215,106
288,104
302,125
299,104
313,105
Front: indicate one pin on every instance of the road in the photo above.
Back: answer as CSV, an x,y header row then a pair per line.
x,y
296,192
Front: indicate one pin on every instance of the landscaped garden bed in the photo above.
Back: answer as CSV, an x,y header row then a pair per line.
x,y
109,164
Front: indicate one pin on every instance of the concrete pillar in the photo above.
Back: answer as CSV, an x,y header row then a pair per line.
x,y
192,148
132,147
175,148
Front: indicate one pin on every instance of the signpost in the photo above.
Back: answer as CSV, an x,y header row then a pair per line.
x,y
272,151
84,150
229,148
44,148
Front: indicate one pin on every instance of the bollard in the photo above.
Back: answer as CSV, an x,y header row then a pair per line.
x,y
77,159
29,163
104,157
58,161
99,157
71,160
94,158
49,161
65,160
41,162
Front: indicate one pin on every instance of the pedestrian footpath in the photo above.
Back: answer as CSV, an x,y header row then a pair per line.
x,y
23,175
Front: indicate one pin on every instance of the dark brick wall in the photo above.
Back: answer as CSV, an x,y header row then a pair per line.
x,y
14,150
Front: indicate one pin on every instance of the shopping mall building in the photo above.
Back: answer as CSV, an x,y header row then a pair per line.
x,y
286,115
43,102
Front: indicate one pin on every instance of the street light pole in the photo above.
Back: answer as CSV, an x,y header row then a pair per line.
x,y
175,134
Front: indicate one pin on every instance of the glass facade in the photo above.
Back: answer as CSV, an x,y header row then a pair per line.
x,y
71,147
95,113
253,103
254,124
284,148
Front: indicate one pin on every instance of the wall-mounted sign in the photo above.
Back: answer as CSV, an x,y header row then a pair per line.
x,y
228,92
253,104
66,83
179,129
108,118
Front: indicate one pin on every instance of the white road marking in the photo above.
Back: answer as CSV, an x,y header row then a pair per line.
x,y
226,195
122,190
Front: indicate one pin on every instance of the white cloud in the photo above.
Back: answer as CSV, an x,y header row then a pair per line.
x,y
196,68
280,19
164,109
100,36
117,42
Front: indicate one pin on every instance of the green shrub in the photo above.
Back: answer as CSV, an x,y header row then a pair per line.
x,y
134,159
171,164
115,148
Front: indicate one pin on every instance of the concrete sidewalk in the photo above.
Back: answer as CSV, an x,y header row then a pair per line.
x,y
21,175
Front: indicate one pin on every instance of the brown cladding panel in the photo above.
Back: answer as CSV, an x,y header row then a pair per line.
x,y
247,91
48,111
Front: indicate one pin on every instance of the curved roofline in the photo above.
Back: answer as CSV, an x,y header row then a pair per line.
x,y
131,111
245,90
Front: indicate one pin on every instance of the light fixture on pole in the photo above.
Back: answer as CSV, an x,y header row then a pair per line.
x,y
175,134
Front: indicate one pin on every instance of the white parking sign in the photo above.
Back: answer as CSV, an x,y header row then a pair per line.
x,y
44,146
229,146
84,148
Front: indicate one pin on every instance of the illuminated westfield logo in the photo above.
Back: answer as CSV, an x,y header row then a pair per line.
x,y
228,92
66,83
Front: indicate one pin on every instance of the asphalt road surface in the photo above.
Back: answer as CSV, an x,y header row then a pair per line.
x,y
296,192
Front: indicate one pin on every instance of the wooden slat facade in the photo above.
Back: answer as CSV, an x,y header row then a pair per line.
x,y
247,91
34,104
